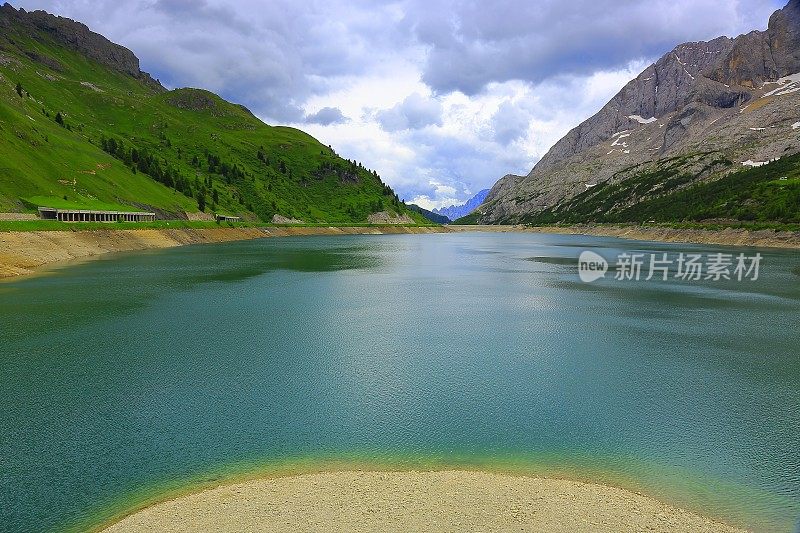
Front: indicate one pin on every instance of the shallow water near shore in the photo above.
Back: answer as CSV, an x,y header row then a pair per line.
x,y
139,376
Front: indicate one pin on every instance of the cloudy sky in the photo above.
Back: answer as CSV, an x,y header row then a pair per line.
x,y
442,97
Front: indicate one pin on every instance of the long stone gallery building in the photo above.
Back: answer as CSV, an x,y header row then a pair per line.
x,y
82,215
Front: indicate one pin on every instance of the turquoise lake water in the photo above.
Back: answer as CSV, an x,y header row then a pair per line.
x,y
138,375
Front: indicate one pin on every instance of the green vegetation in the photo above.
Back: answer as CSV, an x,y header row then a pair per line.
x,y
749,226
52,225
429,215
76,134
469,220
78,203
768,195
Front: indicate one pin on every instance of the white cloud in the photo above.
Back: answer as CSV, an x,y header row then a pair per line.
x,y
510,122
413,113
441,97
463,152
442,196
327,116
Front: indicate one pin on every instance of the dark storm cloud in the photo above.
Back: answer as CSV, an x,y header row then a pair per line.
x,y
274,55
475,43
189,11
282,57
269,55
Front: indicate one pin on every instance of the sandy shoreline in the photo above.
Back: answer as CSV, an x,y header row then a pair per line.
x,y
23,252
416,501
725,237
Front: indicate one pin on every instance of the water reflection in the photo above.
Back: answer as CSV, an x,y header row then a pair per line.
x,y
156,369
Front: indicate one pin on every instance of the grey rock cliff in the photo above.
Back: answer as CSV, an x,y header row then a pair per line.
x,y
78,37
726,98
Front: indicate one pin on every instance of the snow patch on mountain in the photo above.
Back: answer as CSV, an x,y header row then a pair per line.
x,y
457,211
751,163
619,142
788,84
641,120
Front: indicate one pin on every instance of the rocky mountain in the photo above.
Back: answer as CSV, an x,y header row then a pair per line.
x,y
703,110
430,215
77,37
457,211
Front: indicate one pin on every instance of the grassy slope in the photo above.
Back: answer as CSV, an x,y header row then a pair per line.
x,y
52,225
752,196
41,161
469,220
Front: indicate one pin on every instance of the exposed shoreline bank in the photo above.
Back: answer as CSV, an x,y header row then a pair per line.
x,y
724,237
452,500
23,252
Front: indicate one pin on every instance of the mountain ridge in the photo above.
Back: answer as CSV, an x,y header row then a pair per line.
x,y
80,38
454,212
732,99
430,215
81,124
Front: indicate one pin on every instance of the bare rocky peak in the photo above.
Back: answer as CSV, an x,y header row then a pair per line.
x,y
696,89
759,57
78,37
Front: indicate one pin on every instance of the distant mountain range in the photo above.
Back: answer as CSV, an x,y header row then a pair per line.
x,y
429,215
698,115
457,211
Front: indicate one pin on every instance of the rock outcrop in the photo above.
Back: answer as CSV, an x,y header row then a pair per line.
x,y
726,99
280,219
383,217
80,38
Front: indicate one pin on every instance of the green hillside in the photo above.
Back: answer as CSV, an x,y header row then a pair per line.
x,y
80,133
768,194
429,215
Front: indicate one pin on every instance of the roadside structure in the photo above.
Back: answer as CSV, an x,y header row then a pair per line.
x,y
84,215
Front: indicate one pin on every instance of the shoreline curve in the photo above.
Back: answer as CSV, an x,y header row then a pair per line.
x,y
25,253
447,500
